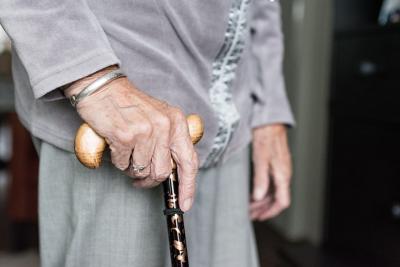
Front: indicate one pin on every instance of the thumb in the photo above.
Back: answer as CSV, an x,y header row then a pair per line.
x,y
260,180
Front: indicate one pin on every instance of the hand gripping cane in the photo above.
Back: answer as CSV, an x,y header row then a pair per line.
x,y
89,148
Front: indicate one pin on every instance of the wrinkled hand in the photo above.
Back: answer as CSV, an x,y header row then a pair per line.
x,y
272,172
140,131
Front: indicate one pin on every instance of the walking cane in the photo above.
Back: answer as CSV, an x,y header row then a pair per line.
x,y
89,148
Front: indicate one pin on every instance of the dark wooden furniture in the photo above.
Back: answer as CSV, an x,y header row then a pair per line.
x,y
363,200
18,207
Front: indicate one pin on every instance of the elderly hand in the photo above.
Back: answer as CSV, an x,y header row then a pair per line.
x,y
141,131
272,172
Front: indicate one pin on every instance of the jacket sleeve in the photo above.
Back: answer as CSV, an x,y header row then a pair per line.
x,y
57,41
268,87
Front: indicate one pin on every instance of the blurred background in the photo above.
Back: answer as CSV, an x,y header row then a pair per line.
x,y
344,85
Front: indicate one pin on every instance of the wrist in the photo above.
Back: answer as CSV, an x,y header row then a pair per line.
x,y
77,86
269,131
273,127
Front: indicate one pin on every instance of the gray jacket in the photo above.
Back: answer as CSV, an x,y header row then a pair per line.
x,y
221,59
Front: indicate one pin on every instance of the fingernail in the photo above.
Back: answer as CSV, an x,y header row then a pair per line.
x,y
258,194
187,204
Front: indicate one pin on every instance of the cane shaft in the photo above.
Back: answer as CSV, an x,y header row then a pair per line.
x,y
176,227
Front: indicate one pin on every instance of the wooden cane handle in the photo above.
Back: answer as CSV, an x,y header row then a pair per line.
x,y
89,146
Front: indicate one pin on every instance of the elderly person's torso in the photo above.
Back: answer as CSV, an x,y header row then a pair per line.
x,y
195,55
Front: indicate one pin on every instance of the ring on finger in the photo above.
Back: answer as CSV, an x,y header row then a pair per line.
x,y
138,168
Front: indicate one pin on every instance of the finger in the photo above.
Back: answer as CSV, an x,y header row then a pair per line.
x,y
256,208
125,136
258,204
185,156
161,166
141,157
255,213
261,176
282,178
260,182
282,195
145,183
120,155
187,164
272,212
281,201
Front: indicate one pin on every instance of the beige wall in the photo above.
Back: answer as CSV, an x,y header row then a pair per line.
x,y
307,25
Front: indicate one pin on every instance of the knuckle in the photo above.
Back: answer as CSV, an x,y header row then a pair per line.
x,y
125,137
161,174
178,114
163,122
145,128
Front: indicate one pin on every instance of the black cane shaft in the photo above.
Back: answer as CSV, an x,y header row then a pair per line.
x,y
176,227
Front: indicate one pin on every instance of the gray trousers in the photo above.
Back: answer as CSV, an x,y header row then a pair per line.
x,y
97,218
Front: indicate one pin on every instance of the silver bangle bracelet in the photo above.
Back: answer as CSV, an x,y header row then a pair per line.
x,y
96,85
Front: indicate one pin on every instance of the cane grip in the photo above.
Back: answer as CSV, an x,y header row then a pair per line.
x,y
89,146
